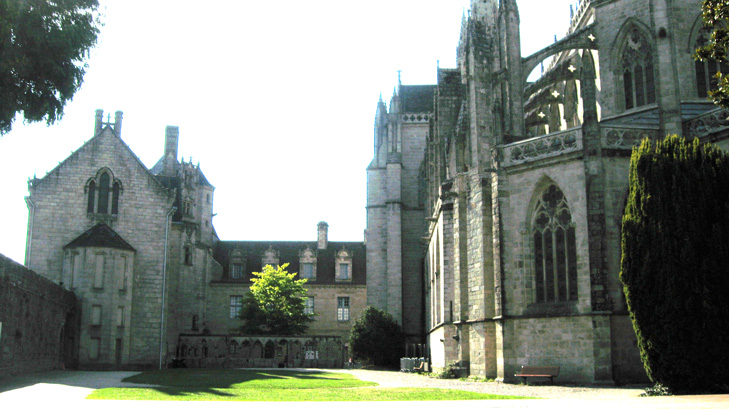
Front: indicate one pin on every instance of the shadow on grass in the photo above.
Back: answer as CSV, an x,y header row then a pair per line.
x,y
243,379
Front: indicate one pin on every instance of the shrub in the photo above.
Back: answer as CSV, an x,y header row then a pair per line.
x,y
377,338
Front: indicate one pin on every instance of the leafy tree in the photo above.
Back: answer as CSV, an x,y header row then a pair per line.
x,y
715,14
377,338
675,262
43,48
275,304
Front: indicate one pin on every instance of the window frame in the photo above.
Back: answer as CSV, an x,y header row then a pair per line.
x,y
235,305
344,257
343,311
309,305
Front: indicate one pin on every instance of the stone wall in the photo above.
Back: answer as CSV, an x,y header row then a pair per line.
x,y
38,322
231,351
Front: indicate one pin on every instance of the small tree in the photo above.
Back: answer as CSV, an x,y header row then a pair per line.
x,y
715,15
377,338
43,50
675,262
275,304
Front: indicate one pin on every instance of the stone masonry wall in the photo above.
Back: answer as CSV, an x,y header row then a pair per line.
x,y
564,341
218,320
38,322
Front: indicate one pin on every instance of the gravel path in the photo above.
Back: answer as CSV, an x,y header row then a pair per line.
x,y
402,379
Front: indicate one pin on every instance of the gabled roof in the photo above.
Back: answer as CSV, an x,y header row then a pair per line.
x,y
100,235
78,151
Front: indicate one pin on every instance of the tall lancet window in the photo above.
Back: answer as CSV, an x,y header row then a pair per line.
x,y
555,255
639,86
103,204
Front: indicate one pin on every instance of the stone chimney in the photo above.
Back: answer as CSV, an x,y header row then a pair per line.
x,y
322,240
118,123
99,122
172,136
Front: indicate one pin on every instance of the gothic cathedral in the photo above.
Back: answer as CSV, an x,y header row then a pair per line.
x,y
495,201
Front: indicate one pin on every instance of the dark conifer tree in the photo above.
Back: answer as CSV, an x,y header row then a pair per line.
x,y
675,262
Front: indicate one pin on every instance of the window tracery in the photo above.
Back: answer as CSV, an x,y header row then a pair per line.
x,y
103,193
638,75
555,254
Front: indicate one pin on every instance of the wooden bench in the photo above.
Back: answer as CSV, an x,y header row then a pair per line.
x,y
528,371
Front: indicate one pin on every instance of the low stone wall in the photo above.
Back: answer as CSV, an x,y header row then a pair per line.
x,y
38,322
234,351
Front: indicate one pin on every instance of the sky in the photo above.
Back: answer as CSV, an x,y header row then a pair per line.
x,y
275,100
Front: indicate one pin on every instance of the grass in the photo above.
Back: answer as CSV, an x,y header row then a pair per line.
x,y
257,385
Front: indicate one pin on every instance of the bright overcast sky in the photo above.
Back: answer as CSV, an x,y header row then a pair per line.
x,y
274,99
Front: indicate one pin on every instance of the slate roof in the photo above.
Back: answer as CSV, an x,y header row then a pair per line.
x,y
253,251
417,98
100,235
650,118
159,166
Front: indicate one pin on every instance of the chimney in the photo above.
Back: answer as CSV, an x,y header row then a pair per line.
x,y
322,240
172,135
98,122
117,123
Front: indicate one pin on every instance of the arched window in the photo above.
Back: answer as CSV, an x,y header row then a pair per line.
x,y
705,70
91,204
555,254
639,86
103,205
103,194
115,198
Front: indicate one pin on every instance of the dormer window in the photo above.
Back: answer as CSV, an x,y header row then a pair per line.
x,y
270,258
343,265
307,264
236,271
102,194
237,265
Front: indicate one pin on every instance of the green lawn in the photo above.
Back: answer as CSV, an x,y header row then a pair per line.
x,y
273,385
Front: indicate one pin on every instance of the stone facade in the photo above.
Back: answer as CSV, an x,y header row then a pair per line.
x,y
231,351
138,248
523,184
38,322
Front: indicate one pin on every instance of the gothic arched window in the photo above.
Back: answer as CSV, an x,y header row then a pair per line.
x,y
639,86
91,204
115,198
103,194
555,254
705,70
103,203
